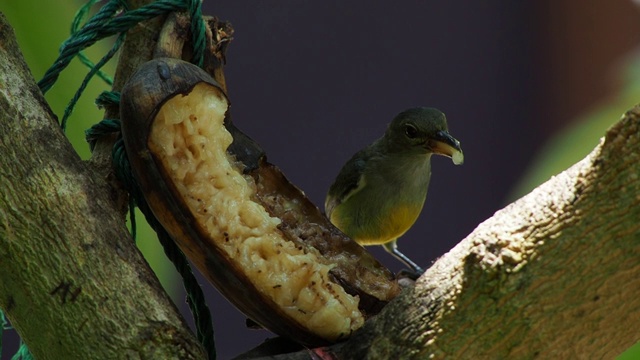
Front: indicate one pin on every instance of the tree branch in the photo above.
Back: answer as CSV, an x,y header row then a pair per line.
x,y
553,275
74,285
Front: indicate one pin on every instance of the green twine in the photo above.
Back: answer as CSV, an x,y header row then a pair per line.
x,y
132,218
95,69
105,24
81,15
98,130
107,98
23,353
114,18
4,325
197,28
79,41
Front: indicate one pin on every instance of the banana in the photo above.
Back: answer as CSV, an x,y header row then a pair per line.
x,y
252,233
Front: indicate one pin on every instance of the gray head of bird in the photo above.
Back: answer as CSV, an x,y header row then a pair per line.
x,y
422,130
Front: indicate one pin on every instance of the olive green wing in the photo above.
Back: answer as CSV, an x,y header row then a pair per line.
x,y
349,181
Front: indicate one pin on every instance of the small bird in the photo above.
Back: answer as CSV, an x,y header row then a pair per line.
x,y
381,190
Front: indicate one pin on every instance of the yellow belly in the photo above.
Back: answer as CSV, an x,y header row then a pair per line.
x,y
387,226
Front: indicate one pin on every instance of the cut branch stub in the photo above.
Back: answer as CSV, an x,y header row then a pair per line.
x,y
264,245
173,42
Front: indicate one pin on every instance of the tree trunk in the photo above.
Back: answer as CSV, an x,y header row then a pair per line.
x,y
553,275
73,283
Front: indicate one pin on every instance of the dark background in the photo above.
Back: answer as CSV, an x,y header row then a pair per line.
x,y
313,82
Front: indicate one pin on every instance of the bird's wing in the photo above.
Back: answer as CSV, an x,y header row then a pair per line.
x,y
349,181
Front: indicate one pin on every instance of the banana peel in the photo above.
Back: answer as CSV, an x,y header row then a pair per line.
x,y
252,233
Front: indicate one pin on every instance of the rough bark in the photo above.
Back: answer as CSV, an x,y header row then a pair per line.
x,y
73,283
554,275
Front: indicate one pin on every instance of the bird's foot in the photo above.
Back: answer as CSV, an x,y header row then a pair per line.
x,y
410,274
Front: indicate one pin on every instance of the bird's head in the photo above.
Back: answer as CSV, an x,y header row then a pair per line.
x,y
423,131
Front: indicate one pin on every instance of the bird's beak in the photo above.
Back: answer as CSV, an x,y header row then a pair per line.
x,y
447,145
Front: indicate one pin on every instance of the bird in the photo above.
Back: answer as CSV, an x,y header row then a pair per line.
x,y
379,193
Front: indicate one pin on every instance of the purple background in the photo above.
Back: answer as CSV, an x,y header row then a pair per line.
x,y
313,82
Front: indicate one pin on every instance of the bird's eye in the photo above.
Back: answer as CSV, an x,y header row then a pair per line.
x,y
411,131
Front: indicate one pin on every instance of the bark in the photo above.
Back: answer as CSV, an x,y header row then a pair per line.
x,y
553,275
74,285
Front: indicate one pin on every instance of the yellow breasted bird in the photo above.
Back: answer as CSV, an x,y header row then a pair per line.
x,y
380,191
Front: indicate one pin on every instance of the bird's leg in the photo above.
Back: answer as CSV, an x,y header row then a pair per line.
x,y
392,248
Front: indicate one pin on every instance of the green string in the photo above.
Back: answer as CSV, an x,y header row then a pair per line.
x,y
4,325
103,24
132,218
107,98
197,28
94,70
78,41
23,353
106,126
80,17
